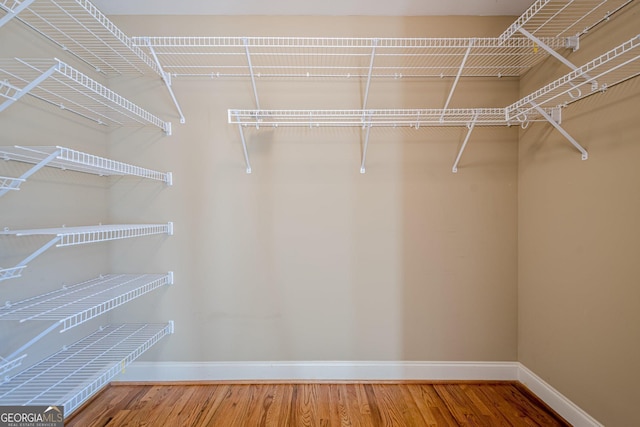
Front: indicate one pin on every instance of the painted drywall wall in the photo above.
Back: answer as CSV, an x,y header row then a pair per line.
x,y
306,258
578,292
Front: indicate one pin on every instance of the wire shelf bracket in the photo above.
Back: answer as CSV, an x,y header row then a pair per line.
x,y
166,78
13,11
68,159
72,236
455,81
470,127
72,375
9,365
59,84
560,129
251,72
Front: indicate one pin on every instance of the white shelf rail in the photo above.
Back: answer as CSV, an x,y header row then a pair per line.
x,y
617,65
80,28
73,305
303,57
68,159
563,18
59,84
366,119
71,236
72,375
9,365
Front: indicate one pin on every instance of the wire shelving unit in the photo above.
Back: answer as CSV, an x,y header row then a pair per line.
x,y
71,236
73,305
70,376
61,85
80,28
68,159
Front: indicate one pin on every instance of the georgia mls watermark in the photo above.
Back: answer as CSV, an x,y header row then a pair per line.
x,y
31,416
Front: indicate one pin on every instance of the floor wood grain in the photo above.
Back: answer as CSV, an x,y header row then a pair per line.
x,y
315,404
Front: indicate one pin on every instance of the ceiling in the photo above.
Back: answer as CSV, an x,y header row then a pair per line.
x,y
307,7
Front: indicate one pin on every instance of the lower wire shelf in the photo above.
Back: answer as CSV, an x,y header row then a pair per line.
x,y
69,377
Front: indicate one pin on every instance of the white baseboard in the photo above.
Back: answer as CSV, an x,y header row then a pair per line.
x,y
558,402
314,371
359,371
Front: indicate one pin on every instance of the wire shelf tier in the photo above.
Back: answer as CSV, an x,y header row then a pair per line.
x,y
563,18
59,84
80,28
374,118
613,67
290,57
70,236
72,375
74,305
68,159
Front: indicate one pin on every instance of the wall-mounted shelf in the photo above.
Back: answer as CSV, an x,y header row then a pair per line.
x,y
59,84
72,375
80,28
76,304
71,236
564,18
617,65
68,159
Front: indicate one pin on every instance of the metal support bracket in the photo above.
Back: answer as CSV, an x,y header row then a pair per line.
x,y
366,146
253,77
34,340
12,273
455,82
565,61
470,127
166,78
244,148
366,92
12,13
22,92
15,185
564,133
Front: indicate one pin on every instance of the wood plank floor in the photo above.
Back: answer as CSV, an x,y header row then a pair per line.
x,y
316,404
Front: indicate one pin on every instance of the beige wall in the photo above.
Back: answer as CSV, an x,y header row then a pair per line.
x,y
579,240
307,259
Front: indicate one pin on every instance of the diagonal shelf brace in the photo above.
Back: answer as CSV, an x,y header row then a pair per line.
x,y
366,145
470,126
34,340
455,82
253,77
244,148
16,184
12,13
552,52
12,273
35,82
366,92
166,78
564,133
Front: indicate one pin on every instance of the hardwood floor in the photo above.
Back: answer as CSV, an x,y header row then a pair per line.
x,y
316,404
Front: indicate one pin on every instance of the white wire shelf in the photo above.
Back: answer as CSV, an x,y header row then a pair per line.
x,y
375,118
8,183
61,85
70,236
68,159
563,18
79,27
290,57
72,375
74,305
613,67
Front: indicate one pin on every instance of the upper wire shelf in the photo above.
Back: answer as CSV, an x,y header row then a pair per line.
x,y
290,57
72,375
80,28
615,66
59,84
563,18
375,118
76,304
68,159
